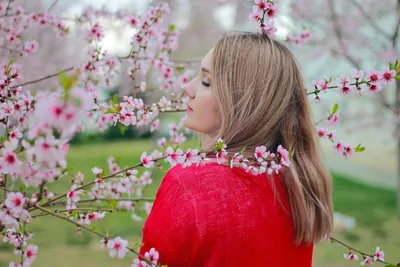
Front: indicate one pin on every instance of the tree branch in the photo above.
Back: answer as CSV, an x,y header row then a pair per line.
x,y
397,26
372,22
339,35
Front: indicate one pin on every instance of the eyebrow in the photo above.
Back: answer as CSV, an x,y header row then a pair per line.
x,y
205,70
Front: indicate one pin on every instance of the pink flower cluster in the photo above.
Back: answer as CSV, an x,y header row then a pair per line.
x,y
300,39
264,12
378,256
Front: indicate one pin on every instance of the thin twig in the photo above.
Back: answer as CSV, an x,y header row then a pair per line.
x,y
353,249
104,199
93,182
52,5
90,230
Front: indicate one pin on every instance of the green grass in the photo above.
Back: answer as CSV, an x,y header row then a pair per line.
x,y
60,245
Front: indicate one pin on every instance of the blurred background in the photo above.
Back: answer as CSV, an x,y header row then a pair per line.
x,y
346,35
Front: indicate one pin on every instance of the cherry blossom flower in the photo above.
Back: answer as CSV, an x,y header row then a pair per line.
x,y
350,256
30,253
367,260
174,157
260,153
97,171
117,247
190,157
152,255
374,77
146,160
73,195
388,75
15,202
333,119
323,133
379,255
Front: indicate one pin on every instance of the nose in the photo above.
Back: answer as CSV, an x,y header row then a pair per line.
x,y
189,89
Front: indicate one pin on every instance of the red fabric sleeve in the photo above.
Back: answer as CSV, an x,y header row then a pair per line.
x,y
170,227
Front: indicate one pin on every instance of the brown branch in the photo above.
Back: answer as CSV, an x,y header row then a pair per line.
x,y
353,249
93,182
71,210
339,35
397,26
333,87
52,5
372,22
103,199
90,230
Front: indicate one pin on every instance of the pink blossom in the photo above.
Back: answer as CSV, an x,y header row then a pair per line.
x,y
174,157
162,142
339,147
350,256
73,195
332,120
379,255
146,160
95,33
154,125
97,171
190,157
367,260
260,153
30,254
374,87
322,133
117,247
152,255
374,76
15,202
357,74
332,135
272,10
139,263
388,75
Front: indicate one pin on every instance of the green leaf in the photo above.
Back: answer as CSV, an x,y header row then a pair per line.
x,y
66,170
396,65
291,153
122,128
21,187
335,109
243,149
74,213
3,138
391,67
219,146
359,148
94,228
110,111
171,28
114,99
397,77
113,203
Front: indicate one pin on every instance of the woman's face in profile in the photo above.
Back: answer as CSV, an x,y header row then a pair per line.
x,y
201,111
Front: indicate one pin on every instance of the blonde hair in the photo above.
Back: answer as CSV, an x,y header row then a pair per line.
x,y
259,92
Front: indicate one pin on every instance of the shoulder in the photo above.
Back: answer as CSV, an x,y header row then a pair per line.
x,y
209,171
214,177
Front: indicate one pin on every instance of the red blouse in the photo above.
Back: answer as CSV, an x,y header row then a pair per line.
x,y
212,215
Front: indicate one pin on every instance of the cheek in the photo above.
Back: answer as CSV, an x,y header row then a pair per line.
x,y
205,118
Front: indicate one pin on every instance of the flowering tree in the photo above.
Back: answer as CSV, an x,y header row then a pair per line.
x,y
38,125
335,24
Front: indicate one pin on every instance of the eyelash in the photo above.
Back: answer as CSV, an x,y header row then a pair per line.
x,y
205,84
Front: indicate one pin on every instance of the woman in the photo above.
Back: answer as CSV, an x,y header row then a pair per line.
x,y
249,92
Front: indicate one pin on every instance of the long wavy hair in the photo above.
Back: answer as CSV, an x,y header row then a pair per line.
x,y
259,91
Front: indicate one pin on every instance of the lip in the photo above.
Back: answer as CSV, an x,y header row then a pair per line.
x,y
188,108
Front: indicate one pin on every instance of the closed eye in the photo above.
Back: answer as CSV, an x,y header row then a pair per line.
x,y
205,84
